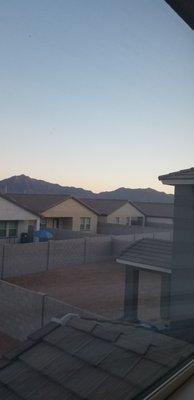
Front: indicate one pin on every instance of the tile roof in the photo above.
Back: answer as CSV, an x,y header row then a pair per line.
x,y
38,203
185,9
105,206
86,359
186,174
159,210
149,252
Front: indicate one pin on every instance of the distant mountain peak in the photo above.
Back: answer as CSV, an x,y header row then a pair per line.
x,y
27,185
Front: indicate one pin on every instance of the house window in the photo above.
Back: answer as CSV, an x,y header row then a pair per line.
x,y
8,229
12,228
137,221
85,224
56,223
2,229
117,220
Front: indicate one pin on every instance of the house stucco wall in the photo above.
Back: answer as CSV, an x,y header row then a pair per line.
x,y
71,208
11,212
127,210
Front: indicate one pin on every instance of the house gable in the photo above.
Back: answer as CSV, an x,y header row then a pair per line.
x,y
13,212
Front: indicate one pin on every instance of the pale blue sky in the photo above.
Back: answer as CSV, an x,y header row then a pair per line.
x,y
98,94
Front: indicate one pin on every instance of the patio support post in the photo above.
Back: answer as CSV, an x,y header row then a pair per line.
x,y
131,293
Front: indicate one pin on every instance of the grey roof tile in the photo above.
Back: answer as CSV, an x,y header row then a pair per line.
x,y
150,252
95,351
85,325
157,210
106,333
52,391
62,368
40,333
113,388
54,362
21,348
72,341
6,394
22,379
77,363
120,362
85,380
145,373
137,342
105,206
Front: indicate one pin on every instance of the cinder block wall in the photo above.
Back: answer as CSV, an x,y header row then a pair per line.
x,y
98,249
66,252
21,259
20,310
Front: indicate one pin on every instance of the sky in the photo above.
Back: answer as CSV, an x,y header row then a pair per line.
x,y
95,94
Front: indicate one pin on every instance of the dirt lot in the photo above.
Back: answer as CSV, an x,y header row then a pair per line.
x,y
97,287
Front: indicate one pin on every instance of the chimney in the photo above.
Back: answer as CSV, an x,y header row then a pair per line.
x,y
182,281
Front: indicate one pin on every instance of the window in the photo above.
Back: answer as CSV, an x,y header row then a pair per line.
x,y
2,229
8,229
85,223
117,220
137,221
56,223
12,228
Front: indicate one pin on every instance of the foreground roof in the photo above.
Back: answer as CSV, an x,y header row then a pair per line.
x,y
184,8
39,203
184,176
148,254
86,359
105,206
159,210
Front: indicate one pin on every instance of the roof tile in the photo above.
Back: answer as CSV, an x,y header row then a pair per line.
x,y
86,380
113,388
106,333
120,362
84,325
95,351
145,373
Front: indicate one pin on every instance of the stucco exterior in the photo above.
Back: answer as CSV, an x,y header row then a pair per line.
x,y
71,208
11,212
124,212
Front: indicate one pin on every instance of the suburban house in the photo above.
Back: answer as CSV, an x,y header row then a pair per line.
x,y
124,212
156,213
58,211
113,211
16,219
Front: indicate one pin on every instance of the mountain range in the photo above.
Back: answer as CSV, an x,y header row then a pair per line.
x,y
25,184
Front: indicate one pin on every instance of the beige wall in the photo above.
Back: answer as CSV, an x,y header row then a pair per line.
x,y
71,208
123,212
11,212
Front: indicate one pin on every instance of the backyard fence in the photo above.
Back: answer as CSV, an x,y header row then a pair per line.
x,y
23,311
24,259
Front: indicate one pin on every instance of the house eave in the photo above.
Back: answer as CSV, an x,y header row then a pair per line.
x,y
143,266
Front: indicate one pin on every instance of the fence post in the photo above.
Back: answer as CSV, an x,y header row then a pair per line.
x,y
48,255
3,261
43,309
85,250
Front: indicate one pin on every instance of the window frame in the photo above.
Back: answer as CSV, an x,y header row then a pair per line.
x,y
85,223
